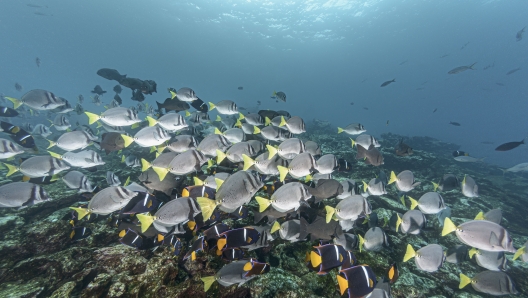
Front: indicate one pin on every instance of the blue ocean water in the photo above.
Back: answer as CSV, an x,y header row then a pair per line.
x,y
322,54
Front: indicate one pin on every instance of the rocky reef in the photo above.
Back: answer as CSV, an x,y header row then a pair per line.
x,y
37,258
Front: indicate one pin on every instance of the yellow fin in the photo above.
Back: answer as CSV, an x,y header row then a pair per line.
x,y
248,162
122,158
393,178
134,126
256,130
240,116
162,172
398,222
192,225
308,178
402,199
211,106
81,212
127,181
365,186
173,94
221,243
161,237
220,156
161,148
238,124
218,182
145,220
128,140
208,282
187,114
271,151
276,226
330,211
217,131
472,252
11,169
25,178
409,254
283,121
153,149
207,206
339,130
353,142
248,266
414,203
267,121
53,154
343,284
449,226
151,121
464,281
361,242
480,216
263,203
435,185
92,118
315,259
283,171
197,181
51,144
144,165
122,233
519,252
16,103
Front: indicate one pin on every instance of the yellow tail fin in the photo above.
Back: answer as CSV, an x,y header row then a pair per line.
x,y
435,185
339,130
283,171
271,151
81,212
414,203
207,206
145,220
208,282
16,103
128,140
248,162
162,172
151,121
276,226
92,118
11,169
449,226
393,178
330,211
464,281
211,106
144,165
263,203
409,254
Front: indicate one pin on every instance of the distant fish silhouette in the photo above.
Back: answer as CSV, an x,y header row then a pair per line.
x,y
454,123
388,82
513,70
520,34
37,60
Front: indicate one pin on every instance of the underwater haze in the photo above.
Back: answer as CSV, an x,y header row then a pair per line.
x,y
323,54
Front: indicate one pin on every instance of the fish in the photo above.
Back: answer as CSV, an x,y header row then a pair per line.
x,y
38,99
171,122
106,201
491,260
111,74
465,158
86,159
148,136
98,90
454,123
313,148
112,179
73,140
211,143
20,136
375,187
8,112
448,182
38,166
255,119
428,258
496,283
235,153
234,135
326,164
79,233
469,187
184,94
119,116
404,181
494,215
61,122
117,89
457,254
352,129
412,222
349,208
237,238
240,88
79,109
403,149
272,133
509,146
170,214
481,234
513,70
21,195
374,240
224,107
9,149
183,164
325,189
279,96
131,161
358,281
288,230
319,229
77,180
365,141
231,274
37,61
295,124
112,141
18,87
326,257
429,203
235,191
96,99
436,109
386,83
519,34
288,196
66,108
302,165
461,69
